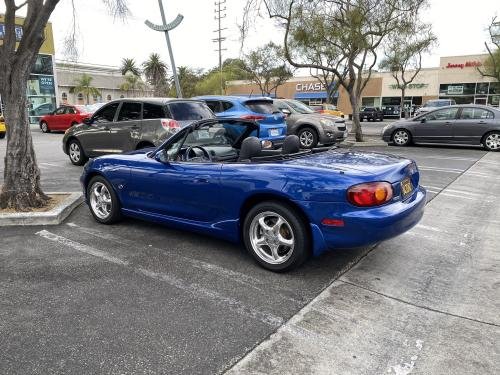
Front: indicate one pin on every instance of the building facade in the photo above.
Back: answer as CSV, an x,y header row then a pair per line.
x,y
456,77
107,79
41,88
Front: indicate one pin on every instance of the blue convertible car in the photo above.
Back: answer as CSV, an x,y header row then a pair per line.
x,y
213,177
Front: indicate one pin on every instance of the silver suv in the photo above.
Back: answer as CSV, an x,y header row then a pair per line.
x,y
131,124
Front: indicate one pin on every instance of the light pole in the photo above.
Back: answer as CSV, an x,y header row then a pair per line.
x,y
166,27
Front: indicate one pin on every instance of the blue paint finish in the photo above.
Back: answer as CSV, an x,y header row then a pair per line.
x,y
208,197
239,110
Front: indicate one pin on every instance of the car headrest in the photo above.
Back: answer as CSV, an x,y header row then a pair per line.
x,y
250,147
291,145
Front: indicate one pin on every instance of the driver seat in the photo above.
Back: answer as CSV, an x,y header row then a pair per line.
x,y
250,148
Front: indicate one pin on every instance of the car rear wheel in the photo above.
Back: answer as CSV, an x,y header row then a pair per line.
x,y
103,202
401,137
491,141
2,135
75,153
276,236
308,138
44,127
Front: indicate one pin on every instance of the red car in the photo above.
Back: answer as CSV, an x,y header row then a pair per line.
x,y
64,117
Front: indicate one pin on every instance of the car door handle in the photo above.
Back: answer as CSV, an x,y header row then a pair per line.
x,y
201,179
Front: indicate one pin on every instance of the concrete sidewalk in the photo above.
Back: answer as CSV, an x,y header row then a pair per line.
x,y
426,302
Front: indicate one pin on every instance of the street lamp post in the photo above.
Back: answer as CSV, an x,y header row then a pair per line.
x,y
166,27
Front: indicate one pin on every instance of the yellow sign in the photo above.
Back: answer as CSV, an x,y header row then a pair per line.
x,y
48,44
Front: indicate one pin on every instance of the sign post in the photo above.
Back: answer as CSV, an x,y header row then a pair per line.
x,y
166,27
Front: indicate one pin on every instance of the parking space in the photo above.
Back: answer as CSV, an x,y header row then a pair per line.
x,y
142,298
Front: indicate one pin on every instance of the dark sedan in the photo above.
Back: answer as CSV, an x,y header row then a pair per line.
x,y
458,124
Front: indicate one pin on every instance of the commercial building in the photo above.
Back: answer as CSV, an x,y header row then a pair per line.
x,y
107,79
456,77
42,81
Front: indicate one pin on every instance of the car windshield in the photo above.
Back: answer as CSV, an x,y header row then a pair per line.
x,y
299,106
189,111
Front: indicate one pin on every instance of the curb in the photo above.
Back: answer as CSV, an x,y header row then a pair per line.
x,y
52,217
367,143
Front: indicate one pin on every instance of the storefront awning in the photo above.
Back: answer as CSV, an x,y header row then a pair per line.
x,y
313,95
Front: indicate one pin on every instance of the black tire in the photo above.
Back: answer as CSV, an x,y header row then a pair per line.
x,y
2,135
74,149
360,119
293,227
401,137
308,137
144,145
115,206
44,127
491,141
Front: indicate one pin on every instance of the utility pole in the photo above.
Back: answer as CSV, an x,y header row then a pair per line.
x,y
220,8
166,27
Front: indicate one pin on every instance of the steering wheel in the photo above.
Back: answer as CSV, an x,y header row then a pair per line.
x,y
191,150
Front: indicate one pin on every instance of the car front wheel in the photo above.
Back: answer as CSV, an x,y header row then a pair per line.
x,y
75,153
44,127
103,201
276,236
308,138
401,137
491,141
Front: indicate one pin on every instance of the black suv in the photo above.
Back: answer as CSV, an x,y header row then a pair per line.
x,y
371,114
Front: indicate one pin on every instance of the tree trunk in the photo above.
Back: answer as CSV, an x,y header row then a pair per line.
x,y
21,189
356,124
402,104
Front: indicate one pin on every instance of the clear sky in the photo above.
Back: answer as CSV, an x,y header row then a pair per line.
x,y
459,24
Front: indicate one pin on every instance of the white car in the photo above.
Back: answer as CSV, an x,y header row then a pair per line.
x,y
431,105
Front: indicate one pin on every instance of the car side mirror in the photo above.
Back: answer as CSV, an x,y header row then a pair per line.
x,y
162,156
286,111
422,120
88,121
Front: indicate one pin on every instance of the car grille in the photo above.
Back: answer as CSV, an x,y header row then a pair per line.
x,y
341,127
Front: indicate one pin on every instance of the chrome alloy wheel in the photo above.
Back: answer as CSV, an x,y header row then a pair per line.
x,y
306,138
271,237
44,127
100,200
401,137
492,141
74,152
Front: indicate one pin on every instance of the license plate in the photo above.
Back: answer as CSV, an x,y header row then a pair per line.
x,y
406,187
274,132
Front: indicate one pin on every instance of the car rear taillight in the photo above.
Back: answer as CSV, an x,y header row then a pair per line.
x,y
370,194
253,117
169,124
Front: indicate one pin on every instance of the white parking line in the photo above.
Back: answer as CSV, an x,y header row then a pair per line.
x,y
196,290
436,169
240,278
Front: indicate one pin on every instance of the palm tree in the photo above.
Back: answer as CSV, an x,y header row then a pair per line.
x,y
84,85
132,83
129,66
155,71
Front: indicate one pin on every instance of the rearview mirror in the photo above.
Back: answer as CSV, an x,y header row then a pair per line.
x,y
286,111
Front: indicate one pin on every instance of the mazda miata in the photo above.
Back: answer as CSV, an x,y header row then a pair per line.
x,y
214,177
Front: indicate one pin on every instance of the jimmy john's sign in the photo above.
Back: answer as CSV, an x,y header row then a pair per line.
x,y
310,86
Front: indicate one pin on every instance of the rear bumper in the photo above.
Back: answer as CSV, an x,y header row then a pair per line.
x,y
362,227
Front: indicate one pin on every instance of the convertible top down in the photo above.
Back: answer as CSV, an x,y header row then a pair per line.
x,y
214,177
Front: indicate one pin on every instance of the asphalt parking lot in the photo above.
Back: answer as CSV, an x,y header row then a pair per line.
x,y
141,298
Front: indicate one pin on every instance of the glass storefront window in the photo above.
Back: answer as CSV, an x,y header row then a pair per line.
x,y
451,89
494,100
460,99
482,88
494,88
41,89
